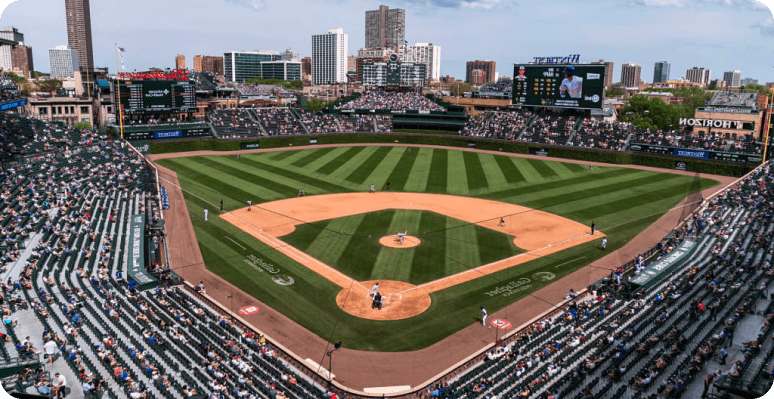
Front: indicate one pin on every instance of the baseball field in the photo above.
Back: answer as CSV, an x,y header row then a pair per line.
x,y
315,258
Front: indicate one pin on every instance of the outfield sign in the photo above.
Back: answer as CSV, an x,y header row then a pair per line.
x,y
13,104
168,134
696,154
312,141
652,273
164,198
472,144
680,165
136,268
539,151
250,146
716,123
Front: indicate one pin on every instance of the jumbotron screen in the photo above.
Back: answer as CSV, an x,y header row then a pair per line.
x,y
559,86
141,96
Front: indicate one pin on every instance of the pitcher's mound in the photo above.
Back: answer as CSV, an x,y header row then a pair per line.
x,y
394,242
395,306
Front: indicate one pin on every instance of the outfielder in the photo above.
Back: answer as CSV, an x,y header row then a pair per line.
x,y
604,242
205,214
483,316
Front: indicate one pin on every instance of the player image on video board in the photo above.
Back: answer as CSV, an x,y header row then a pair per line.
x,y
522,76
571,84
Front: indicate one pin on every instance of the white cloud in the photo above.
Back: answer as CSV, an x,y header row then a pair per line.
x,y
766,26
482,4
254,4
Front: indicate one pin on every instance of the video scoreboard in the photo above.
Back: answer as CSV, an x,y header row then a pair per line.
x,y
559,86
143,96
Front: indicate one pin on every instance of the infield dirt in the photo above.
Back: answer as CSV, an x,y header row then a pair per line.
x,y
538,233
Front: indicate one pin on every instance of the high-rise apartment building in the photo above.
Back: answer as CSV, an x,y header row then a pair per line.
x,y
329,57
749,81
423,53
699,75
733,79
351,63
306,69
180,61
661,72
79,31
240,66
385,27
630,75
488,67
5,51
63,61
209,64
21,60
608,72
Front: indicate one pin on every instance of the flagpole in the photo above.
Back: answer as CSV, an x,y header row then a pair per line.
x,y
118,99
768,126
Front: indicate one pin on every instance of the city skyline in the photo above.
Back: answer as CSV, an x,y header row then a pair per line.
x,y
658,30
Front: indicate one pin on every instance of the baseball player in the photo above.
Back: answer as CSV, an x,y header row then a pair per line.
x,y
239,156
374,289
502,222
221,205
483,316
373,189
604,242
206,212
301,193
249,205
593,225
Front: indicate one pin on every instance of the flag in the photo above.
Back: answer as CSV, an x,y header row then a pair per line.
x,y
120,49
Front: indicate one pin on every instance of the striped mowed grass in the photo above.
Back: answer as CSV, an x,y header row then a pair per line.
x,y
621,201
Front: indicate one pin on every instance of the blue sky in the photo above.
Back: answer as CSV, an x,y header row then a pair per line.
x,y
718,34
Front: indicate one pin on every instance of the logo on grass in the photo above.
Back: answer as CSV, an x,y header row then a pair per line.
x,y
543,276
283,279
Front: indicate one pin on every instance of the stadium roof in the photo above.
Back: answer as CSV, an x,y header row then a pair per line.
x,y
728,99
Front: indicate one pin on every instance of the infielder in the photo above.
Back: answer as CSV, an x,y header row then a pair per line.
x,y
373,189
249,205
604,242
483,316
301,193
205,214
593,225
502,222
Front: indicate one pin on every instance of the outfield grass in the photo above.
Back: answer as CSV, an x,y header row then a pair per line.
x,y
351,245
621,201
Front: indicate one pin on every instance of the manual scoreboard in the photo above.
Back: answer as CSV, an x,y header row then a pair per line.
x,y
144,96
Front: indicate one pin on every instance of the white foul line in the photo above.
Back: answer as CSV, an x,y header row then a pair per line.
x,y
229,238
570,261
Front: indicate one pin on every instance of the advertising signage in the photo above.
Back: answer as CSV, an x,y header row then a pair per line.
x,y
697,154
143,96
559,86
14,104
166,134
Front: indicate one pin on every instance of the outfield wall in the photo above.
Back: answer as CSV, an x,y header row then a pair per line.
x,y
604,156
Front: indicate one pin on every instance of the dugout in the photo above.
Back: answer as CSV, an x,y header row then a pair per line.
x,y
660,269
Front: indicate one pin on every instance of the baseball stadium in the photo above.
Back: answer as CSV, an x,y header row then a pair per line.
x,y
391,245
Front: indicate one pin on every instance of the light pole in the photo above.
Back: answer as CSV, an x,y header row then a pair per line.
x,y
336,347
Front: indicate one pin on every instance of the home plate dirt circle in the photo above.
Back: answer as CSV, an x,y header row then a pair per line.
x,y
393,242
395,306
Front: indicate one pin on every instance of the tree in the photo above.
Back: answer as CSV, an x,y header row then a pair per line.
x,y
316,105
462,87
50,85
293,85
39,74
752,89
16,78
650,113
82,125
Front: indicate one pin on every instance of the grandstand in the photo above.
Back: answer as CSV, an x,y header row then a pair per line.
x,y
235,123
393,101
72,197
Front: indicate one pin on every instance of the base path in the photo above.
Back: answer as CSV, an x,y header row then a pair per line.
x,y
539,233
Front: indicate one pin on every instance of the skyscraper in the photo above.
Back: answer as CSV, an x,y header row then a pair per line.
x,y
661,72
79,31
385,27
5,51
329,57
733,79
630,75
699,75
21,58
180,61
63,61
423,53
489,68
